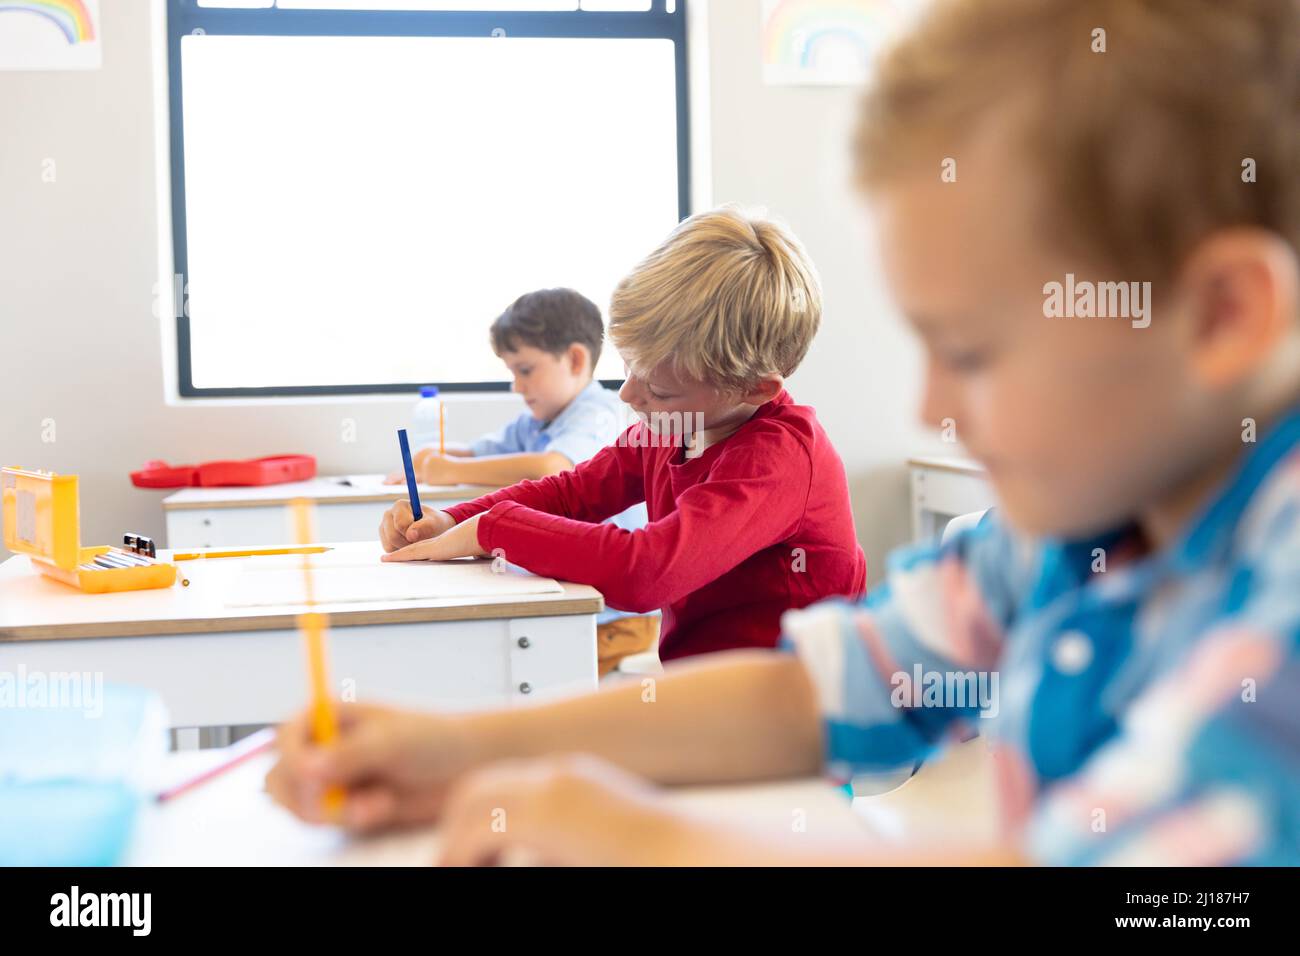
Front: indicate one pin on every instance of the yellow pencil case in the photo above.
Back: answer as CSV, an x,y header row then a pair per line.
x,y
42,519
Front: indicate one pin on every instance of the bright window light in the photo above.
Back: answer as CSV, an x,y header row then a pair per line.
x,y
360,208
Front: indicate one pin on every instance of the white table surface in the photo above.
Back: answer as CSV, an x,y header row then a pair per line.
x,y
230,821
34,607
950,801
218,666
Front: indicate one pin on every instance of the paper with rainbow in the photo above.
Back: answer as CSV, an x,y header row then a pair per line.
x,y
49,35
829,42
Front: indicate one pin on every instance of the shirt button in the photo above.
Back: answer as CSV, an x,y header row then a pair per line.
x,y
1072,652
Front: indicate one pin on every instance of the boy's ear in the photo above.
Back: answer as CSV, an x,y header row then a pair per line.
x,y
579,359
1241,286
764,391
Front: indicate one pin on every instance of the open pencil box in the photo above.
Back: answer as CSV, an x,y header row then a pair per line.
x,y
42,519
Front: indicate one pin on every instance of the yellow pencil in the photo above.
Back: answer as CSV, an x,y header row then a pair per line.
x,y
252,553
442,430
314,627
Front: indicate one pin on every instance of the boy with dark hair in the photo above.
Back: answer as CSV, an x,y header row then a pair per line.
x,y
550,341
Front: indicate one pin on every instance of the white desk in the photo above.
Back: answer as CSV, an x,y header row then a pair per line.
x,y
232,822
219,666
243,517
942,489
951,801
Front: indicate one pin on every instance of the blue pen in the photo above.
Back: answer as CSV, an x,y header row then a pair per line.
x,y
416,512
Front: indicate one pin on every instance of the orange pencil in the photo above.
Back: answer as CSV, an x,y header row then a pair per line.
x,y
315,627
442,430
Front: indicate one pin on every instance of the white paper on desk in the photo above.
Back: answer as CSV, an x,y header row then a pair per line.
x,y
263,584
231,821
375,485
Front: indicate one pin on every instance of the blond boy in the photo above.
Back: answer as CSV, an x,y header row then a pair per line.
x,y
746,498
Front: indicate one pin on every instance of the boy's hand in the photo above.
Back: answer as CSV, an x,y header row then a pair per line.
x,y
459,542
572,810
397,530
434,469
394,766
419,462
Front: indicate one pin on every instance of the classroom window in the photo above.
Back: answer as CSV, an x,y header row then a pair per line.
x,y
360,187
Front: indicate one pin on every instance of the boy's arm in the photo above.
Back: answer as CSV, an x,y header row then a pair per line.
x,y
738,716
491,469
945,609
753,498
735,716
941,614
573,810
498,459
604,485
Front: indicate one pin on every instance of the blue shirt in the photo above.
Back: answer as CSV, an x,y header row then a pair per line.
x,y
1141,708
593,419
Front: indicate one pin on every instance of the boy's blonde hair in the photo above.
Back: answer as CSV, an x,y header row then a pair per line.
x,y
1144,148
727,299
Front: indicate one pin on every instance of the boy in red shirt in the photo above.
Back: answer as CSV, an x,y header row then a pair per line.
x,y
748,503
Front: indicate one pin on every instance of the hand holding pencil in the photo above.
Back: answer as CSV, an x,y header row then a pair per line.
x,y
395,766
399,527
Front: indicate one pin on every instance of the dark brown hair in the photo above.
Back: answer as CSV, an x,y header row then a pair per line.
x,y
550,320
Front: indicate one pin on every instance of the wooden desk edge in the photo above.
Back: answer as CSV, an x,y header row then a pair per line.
x,y
289,621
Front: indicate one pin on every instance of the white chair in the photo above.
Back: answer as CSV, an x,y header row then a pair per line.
x,y
872,784
644,663
962,522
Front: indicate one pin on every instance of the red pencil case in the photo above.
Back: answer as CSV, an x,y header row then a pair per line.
x,y
274,470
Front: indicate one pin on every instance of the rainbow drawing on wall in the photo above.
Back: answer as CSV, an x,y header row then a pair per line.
x,y
828,42
70,16
49,35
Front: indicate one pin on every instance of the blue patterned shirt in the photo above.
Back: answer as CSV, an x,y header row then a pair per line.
x,y
1141,708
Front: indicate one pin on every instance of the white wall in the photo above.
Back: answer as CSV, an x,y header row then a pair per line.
x,y
81,350
786,148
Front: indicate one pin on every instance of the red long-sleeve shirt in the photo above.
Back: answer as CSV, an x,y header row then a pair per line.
x,y
757,524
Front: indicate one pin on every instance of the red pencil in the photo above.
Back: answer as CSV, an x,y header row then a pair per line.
x,y
247,748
